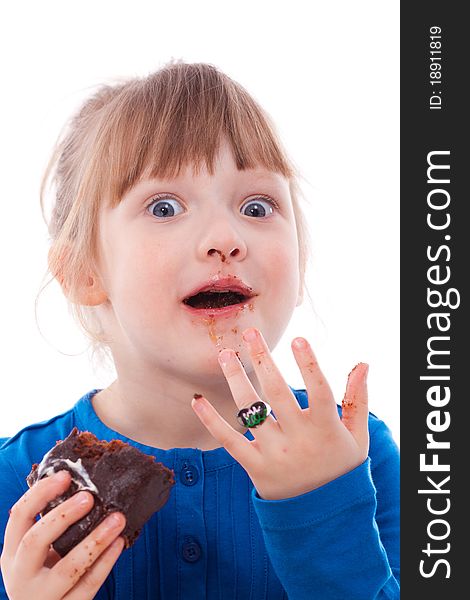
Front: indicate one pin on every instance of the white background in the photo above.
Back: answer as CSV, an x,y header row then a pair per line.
x,y
327,72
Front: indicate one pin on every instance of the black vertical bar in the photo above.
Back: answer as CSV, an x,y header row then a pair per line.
x,y
435,252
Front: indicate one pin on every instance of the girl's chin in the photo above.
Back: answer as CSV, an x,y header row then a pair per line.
x,y
208,365
207,343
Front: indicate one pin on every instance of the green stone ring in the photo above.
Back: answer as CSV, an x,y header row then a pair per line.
x,y
254,415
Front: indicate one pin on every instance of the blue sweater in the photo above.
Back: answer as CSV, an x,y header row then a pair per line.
x,y
217,539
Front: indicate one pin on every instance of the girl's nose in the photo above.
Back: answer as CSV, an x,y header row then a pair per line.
x,y
220,242
224,256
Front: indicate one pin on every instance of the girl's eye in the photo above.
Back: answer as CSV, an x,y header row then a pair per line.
x,y
165,207
258,207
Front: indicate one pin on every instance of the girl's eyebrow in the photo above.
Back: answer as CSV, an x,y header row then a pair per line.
x,y
142,186
251,179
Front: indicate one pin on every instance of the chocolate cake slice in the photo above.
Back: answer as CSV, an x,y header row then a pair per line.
x,y
121,478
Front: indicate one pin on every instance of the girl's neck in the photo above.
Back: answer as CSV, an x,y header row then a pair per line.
x,y
161,415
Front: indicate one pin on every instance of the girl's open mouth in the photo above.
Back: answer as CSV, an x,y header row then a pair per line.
x,y
216,302
215,299
219,297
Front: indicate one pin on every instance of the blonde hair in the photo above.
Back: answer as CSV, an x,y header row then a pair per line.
x,y
157,124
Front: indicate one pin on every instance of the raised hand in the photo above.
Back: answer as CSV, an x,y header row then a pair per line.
x,y
32,569
299,449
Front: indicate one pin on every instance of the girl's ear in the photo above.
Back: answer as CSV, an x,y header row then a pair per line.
x,y
89,290
91,293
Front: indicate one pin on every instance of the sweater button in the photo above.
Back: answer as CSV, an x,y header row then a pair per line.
x,y
191,550
189,475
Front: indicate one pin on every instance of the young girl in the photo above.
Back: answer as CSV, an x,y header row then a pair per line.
x,y
178,237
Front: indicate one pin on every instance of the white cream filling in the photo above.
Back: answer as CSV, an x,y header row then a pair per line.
x,y
82,479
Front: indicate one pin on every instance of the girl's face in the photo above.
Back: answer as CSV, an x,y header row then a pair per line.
x,y
167,239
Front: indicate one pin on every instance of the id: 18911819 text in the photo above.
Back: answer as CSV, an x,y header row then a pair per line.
x,y
435,67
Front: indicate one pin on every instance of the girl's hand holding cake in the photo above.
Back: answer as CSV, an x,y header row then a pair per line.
x,y
300,449
32,569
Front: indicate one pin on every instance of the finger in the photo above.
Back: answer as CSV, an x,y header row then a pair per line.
x,y
23,512
241,387
355,409
242,390
320,397
68,571
234,442
33,550
275,389
94,578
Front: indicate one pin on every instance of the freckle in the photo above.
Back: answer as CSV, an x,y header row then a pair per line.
x,y
235,330
62,515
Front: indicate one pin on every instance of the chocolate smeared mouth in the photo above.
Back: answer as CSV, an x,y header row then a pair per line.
x,y
216,299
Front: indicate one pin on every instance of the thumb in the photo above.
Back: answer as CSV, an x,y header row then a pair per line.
x,y
355,407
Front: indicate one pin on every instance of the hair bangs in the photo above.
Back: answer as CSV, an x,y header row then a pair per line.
x,y
173,120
